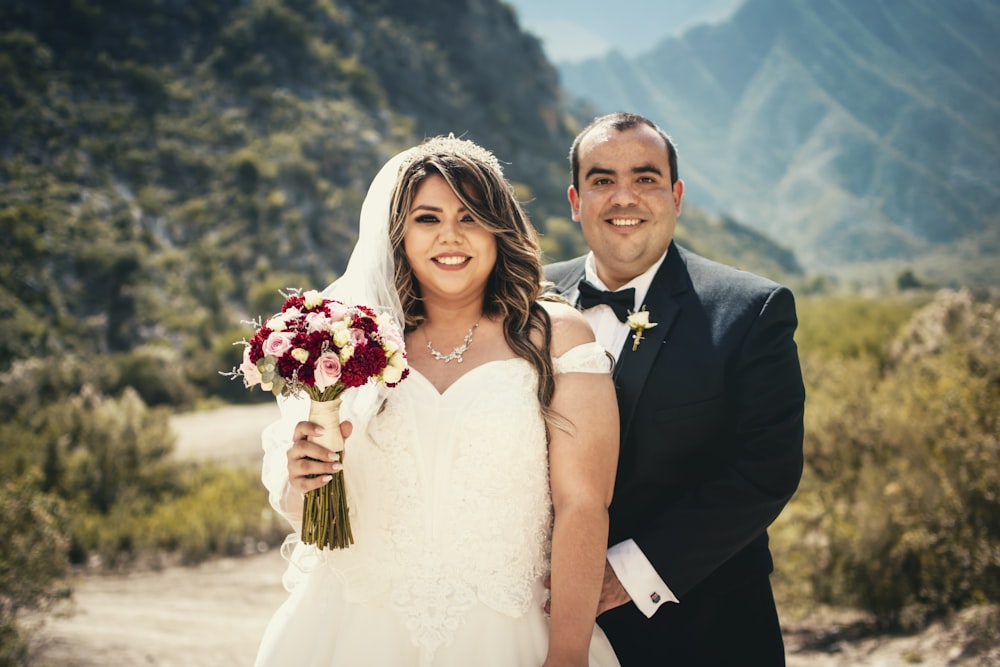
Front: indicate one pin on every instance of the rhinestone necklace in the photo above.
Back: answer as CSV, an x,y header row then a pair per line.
x,y
455,354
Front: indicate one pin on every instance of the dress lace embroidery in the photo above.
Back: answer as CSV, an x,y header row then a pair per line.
x,y
456,505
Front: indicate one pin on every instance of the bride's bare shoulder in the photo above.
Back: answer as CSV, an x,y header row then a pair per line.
x,y
569,327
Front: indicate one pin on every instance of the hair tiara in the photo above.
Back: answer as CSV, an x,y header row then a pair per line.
x,y
452,145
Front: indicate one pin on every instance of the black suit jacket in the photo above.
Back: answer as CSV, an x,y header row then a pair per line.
x,y
711,405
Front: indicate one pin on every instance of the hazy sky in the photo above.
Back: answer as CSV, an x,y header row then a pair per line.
x,y
573,30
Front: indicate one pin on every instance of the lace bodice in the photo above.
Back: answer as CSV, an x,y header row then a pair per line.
x,y
450,497
467,507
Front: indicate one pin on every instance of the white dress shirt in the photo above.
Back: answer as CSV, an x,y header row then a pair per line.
x,y
643,584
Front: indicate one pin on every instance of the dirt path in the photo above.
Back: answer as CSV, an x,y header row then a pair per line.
x,y
232,432
213,615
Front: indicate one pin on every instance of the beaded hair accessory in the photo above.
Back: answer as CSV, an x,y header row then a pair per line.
x,y
452,145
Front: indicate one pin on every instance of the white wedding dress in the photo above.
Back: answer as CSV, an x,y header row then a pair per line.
x,y
452,517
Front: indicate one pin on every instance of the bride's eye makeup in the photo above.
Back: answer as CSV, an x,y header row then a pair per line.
x,y
430,218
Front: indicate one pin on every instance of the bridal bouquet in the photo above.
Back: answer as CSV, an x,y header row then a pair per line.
x,y
321,347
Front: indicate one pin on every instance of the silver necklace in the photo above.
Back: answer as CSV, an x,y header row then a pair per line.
x,y
455,354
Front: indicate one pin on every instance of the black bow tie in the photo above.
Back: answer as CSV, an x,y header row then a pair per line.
x,y
621,301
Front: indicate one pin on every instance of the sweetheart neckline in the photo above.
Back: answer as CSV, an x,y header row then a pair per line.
x,y
460,378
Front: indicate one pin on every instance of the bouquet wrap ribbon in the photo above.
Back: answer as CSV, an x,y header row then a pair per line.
x,y
325,520
327,415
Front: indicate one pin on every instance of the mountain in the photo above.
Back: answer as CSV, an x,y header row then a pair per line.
x,y
852,130
167,166
574,30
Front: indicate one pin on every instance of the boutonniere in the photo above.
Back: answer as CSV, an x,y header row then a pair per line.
x,y
639,322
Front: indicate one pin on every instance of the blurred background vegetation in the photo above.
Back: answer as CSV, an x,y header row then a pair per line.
x,y
167,167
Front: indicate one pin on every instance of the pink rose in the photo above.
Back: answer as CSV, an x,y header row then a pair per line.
x,y
357,337
278,343
281,321
393,341
316,321
337,310
327,370
248,369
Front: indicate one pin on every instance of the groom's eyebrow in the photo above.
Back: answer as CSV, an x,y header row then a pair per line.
x,y
647,169
641,169
599,170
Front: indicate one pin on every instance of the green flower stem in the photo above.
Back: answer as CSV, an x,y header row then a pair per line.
x,y
325,519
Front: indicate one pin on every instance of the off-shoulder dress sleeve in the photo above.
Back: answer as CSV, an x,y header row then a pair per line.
x,y
585,358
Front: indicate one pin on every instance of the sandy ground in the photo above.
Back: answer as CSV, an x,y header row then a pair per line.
x,y
207,616
213,615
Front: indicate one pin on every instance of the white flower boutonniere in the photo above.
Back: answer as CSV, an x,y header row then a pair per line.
x,y
639,322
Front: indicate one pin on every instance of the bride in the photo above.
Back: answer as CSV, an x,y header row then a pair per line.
x,y
485,473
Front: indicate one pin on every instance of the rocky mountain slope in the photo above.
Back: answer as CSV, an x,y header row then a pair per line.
x,y
853,130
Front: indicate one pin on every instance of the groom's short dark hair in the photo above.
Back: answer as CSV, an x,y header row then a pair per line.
x,y
620,121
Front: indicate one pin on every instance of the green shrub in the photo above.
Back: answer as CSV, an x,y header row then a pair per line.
x,y
223,512
850,326
93,451
898,512
109,460
33,558
214,511
112,450
157,374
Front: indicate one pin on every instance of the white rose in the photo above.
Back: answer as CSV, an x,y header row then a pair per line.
x,y
397,361
312,298
392,374
640,320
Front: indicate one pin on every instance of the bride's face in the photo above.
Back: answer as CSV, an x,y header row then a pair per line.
x,y
450,253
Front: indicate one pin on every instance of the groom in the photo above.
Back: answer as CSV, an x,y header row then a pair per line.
x,y
711,400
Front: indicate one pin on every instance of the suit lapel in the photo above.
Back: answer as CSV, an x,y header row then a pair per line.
x,y
566,283
633,367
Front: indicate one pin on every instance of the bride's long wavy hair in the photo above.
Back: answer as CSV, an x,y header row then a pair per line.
x,y
513,288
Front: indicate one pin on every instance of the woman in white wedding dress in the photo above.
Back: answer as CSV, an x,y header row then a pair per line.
x,y
483,475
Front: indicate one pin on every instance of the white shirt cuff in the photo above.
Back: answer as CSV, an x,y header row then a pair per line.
x,y
640,580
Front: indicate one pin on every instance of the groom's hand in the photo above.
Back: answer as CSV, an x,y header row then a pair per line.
x,y
613,594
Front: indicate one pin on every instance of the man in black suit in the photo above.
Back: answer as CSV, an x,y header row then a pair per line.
x,y
711,400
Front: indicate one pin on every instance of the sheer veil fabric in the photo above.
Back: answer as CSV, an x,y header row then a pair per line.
x,y
368,280
370,275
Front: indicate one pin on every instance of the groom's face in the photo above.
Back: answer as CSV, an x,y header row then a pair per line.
x,y
625,204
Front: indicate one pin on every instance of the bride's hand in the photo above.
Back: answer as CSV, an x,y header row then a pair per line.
x,y
311,466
